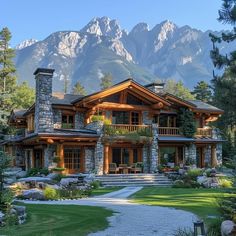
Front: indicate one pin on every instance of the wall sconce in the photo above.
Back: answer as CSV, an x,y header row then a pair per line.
x,y
199,229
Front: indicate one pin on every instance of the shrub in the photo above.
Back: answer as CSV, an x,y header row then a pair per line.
x,y
95,184
178,184
97,118
36,171
194,173
50,193
44,171
58,177
226,183
107,122
58,169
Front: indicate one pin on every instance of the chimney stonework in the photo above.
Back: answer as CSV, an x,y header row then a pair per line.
x,y
43,104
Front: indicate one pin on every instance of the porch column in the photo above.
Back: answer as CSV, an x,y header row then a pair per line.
x,y
154,149
213,156
106,159
60,154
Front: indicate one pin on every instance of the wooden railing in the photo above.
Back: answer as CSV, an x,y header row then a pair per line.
x,y
168,131
123,129
207,132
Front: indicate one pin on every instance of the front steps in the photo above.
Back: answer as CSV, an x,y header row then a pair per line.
x,y
134,180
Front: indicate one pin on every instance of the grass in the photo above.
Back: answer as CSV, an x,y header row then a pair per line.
x,y
101,191
63,220
202,202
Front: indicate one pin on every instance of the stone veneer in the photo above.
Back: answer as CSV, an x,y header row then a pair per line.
x,y
57,117
43,107
207,154
89,159
79,120
48,154
146,160
154,149
190,154
146,118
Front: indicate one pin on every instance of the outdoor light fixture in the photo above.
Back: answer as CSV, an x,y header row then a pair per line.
x,y
199,229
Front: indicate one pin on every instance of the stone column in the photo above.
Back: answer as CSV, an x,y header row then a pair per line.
x,y
146,163
219,153
48,155
43,104
207,156
154,149
89,159
99,154
190,154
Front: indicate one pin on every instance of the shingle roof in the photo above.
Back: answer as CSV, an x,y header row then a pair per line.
x,y
64,99
204,106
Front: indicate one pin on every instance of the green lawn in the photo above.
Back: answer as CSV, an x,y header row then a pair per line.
x,y
202,202
50,220
101,191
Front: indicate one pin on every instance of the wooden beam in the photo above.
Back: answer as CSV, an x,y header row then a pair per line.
x,y
213,156
60,154
106,159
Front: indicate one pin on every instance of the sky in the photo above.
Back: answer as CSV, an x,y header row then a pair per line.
x,y
38,19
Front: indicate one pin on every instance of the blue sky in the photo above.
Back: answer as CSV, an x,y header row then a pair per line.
x,y
37,19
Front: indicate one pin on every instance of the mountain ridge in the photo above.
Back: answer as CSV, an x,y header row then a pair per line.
x,y
102,46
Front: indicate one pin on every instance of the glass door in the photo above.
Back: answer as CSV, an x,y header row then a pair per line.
x,y
120,156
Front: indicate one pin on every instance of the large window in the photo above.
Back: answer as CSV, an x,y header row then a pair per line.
x,y
72,158
67,121
167,155
120,117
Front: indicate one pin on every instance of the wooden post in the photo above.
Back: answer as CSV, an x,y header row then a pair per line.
x,y
213,156
106,159
131,156
60,154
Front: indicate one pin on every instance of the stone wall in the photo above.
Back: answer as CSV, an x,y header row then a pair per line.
x,y
146,160
146,119
57,116
190,154
43,106
89,159
154,149
99,154
219,153
96,126
79,120
48,155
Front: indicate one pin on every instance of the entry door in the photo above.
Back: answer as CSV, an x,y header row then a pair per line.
x,y
72,159
38,158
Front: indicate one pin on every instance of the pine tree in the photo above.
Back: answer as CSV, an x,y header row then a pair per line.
x,y
7,76
224,86
78,89
106,81
202,91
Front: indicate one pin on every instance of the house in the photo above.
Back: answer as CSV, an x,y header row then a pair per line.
x,y
124,124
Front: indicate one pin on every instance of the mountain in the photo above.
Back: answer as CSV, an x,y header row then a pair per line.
x,y
163,52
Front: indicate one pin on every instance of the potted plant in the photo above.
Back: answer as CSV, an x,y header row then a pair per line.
x,y
57,169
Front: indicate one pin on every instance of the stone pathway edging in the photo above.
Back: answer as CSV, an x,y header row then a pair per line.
x,y
133,219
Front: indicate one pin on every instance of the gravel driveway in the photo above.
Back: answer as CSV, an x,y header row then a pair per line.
x,y
132,219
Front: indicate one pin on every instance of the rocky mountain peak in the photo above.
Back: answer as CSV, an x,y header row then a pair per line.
x,y
141,27
103,26
26,43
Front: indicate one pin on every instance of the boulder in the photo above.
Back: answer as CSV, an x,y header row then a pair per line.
x,y
68,181
35,179
54,186
52,176
21,174
201,179
10,180
228,228
34,194
20,210
89,178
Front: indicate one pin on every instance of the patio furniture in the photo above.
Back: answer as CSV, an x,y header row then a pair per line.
x,y
113,168
136,167
124,168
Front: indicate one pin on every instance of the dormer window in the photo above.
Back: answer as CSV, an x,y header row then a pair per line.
x,y
67,121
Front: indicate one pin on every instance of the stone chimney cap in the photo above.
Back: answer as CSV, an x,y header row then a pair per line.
x,y
44,71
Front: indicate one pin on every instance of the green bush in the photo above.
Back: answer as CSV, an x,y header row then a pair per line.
x,y
225,183
50,193
194,173
44,171
73,193
95,184
97,118
36,171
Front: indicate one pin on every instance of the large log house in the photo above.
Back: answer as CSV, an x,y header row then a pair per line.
x,y
140,125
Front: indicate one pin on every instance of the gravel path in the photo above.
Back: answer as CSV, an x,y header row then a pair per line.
x,y
132,219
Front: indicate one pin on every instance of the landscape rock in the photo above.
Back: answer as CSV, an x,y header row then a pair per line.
x,y
35,179
89,178
67,181
10,180
52,176
34,194
228,228
21,174
21,210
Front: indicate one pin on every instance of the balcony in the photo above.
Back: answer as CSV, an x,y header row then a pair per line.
x,y
169,131
123,129
205,132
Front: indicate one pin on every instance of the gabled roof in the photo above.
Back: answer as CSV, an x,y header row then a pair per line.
x,y
129,83
178,100
202,106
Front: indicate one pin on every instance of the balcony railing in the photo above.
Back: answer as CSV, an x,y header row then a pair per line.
x,y
168,131
207,132
123,129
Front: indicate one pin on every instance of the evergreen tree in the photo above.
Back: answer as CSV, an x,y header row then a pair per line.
x,y
224,86
78,89
178,89
23,97
7,76
202,91
106,81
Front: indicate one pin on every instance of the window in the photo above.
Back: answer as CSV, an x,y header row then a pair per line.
x,y
134,118
134,100
113,98
163,121
67,122
120,117
155,119
167,155
72,158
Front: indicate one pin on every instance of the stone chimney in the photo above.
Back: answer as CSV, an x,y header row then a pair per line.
x,y
43,122
156,87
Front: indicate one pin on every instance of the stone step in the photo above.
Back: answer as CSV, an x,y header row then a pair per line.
x,y
137,184
128,179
